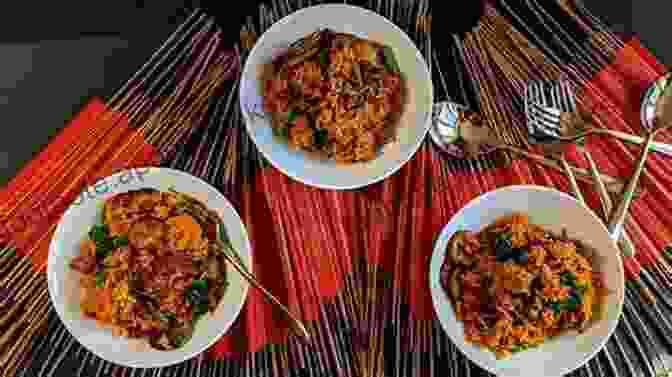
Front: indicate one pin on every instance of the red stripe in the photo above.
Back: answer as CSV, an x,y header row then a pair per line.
x,y
57,147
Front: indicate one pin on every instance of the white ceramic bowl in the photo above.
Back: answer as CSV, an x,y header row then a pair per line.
x,y
64,282
554,211
319,172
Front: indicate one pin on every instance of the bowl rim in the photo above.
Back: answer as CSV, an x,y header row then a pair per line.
x,y
524,187
312,182
216,336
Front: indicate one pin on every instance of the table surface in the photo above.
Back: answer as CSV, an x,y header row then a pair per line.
x,y
51,69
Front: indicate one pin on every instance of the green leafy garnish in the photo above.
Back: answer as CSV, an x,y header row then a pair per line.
x,y
281,131
321,136
504,236
180,340
571,303
568,305
291,116
200,284
120,241
167,316
568,279
197,296
582,288
503,246
201,309
390,61
324,59
100,279
99,233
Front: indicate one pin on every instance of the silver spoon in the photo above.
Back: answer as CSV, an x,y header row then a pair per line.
x,y
653,122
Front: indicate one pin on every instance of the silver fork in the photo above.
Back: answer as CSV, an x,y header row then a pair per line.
x,y
544,105
548,127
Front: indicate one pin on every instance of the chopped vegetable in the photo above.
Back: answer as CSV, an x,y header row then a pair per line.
x,y
568,279
99,233
324,58
571,304
197,296
100,279
104,309
200,284
503,246
582,288
187,227
518,348
167,316
390,61
120,241
281,131
292,116
180,340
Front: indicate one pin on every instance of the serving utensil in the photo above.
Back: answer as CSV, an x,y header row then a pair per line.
x,y
653,123
230,255
550,126
448,135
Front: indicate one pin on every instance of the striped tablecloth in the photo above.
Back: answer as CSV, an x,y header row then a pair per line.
x,y
352,264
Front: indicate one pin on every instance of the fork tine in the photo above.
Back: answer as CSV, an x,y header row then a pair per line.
x,y
542,95
534,128
530,128
550,113
532,118
562,96
545,102
555,96
568,96
542,123
571,96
